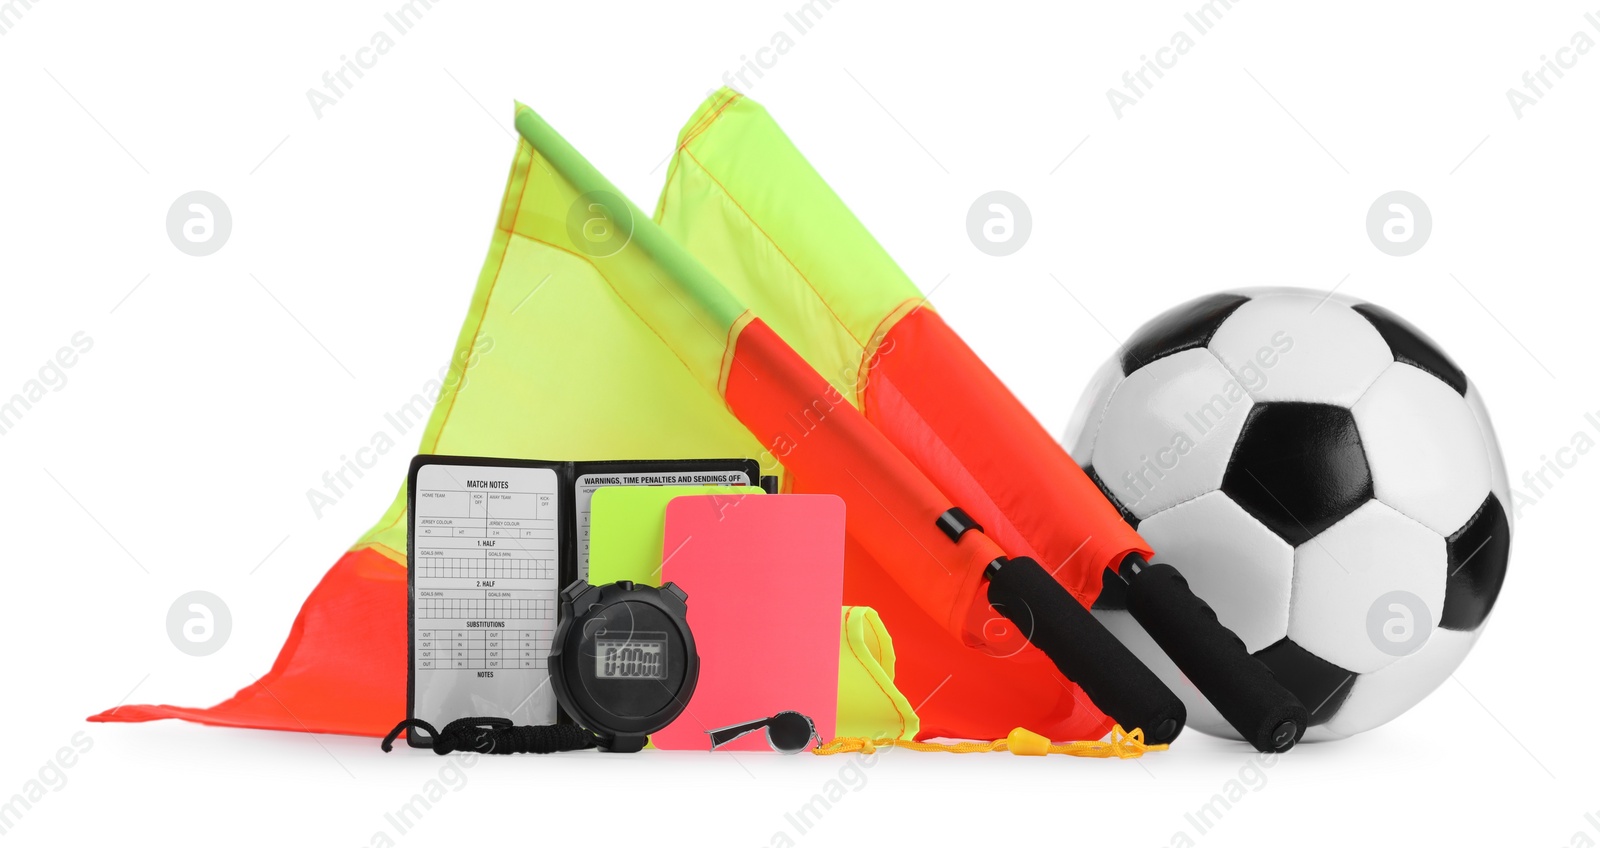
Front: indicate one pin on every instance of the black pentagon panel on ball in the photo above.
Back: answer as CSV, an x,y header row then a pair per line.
x,y
1298,468
1319,684
1477,555
1183,327
1411,346
1127,516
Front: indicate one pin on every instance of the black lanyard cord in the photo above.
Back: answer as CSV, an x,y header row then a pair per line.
x,y
496,736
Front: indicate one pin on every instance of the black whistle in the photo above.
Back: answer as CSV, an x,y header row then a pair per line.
x,y
788,732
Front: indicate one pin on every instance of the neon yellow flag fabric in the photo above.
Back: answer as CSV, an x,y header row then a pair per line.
x,y
736,193
870,706
570,366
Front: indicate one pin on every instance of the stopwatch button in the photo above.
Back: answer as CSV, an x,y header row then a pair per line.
x,y
674,590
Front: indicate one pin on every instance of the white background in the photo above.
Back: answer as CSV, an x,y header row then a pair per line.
x,y
178,454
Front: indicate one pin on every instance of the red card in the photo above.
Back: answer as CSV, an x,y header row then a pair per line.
x,y
765,578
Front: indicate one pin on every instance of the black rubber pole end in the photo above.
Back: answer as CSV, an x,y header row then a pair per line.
x,y
1242,689
1116,681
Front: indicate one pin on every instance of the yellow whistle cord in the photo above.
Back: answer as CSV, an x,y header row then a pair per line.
x,y
1122,744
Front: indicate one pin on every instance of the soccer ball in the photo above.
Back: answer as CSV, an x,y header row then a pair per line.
x,y
1323,475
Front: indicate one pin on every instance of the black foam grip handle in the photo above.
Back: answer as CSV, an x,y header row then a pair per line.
x,y
1114,679
1242,689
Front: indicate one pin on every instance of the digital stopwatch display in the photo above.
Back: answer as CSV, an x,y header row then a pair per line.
x,y
637,656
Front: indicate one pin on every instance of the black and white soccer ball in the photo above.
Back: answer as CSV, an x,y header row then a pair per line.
x,y
1324,476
